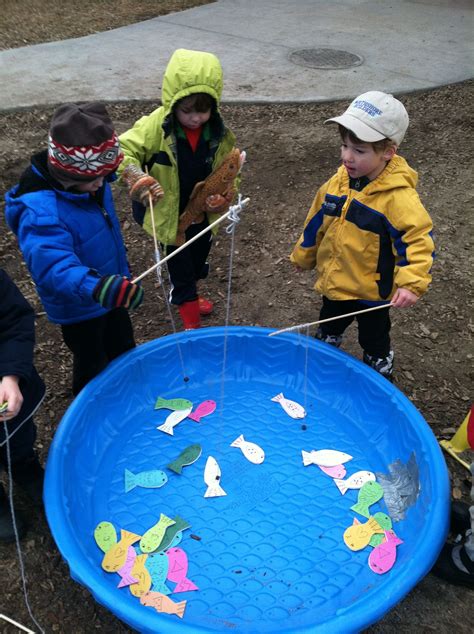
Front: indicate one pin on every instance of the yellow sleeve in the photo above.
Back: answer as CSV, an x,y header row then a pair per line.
x,y
139,143
305,251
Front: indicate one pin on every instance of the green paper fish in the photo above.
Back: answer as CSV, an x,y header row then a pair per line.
x,y
105,536
172,531
154,535
172,403
152,479
385,522
369,493
3,407
186,457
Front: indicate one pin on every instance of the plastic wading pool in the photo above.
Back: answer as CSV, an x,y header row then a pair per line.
x,y
271,557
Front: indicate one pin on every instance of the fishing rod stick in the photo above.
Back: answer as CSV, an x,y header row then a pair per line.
x,y
323,321
231,211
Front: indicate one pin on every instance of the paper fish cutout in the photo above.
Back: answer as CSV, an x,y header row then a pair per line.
x,y
173,403
162,603
140,572
125,570
170,533
383,556
157,565
116,556
146,479
357,536
203,409
325,457
174,419
105,536
212,476
251,451
370,493
154,535
401,487
292,408
3,407
355,481
339,471
178,569
186,457
385,522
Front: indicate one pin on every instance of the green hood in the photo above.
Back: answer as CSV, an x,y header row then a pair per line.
x,y
190,72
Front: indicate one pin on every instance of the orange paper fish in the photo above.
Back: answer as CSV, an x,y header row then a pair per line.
x,y
116,556
162,603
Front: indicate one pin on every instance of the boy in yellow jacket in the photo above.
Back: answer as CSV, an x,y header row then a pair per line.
x,y
367,233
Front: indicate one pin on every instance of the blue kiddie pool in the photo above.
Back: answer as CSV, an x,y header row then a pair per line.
x,y
269,556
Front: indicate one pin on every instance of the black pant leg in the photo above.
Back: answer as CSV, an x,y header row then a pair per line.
x,y
374,332
331,308
118,333
21,443
85,339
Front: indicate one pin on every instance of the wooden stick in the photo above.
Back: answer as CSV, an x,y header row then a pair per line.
x,y
190,241
323,321
150,202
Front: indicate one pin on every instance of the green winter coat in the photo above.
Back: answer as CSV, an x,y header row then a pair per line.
x,y
152,140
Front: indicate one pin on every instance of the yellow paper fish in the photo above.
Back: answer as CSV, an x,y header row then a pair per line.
x,y
116,556
357,536
152,538
139,572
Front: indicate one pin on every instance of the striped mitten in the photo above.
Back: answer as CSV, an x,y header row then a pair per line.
x,y
114,291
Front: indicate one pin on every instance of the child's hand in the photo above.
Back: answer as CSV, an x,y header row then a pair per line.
x,y
115,291
10,393
141,186
218,204
404,298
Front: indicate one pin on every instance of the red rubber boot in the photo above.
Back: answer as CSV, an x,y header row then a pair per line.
x,y
205,306
190,315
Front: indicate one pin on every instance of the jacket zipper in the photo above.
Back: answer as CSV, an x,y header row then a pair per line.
x,y
337,236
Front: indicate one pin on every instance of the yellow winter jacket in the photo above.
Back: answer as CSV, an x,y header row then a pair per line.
x,y
364,245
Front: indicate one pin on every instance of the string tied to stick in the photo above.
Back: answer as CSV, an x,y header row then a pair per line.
x,y
234,215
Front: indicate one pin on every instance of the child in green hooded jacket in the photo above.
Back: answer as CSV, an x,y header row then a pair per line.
x,y
176,146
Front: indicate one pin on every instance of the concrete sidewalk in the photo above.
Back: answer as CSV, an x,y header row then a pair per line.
x,y
271,51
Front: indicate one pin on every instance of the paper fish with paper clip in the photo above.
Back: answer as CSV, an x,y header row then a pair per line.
x,y
175,404
140,572
105,536
186,457
116,556
357,536
154,535
203,409
153,479
162,603
292,408
383,556
178,569
157,565
251,451
339,471
325,457
174,419
212,476
355,481
125,570
171,532
383,520
370,493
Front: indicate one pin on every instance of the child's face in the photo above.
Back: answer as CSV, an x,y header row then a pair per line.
x,y
188,116
360,159
90,187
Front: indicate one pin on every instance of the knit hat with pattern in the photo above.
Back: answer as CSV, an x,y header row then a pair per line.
x,y
82,143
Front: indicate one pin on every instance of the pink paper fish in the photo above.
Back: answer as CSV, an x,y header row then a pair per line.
x,y
339,471
203,409
178,569
124,571
383,556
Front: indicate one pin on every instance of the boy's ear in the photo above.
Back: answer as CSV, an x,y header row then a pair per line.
x,y
390,152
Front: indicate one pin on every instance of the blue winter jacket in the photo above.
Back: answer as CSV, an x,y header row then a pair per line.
x,y
68,241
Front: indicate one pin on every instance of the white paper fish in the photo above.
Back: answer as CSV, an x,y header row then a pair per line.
x,y
212,476
325,457
355,481
251,451
292,408
173,419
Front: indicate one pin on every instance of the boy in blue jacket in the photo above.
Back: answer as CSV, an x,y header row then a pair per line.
x,y
21,392
63,215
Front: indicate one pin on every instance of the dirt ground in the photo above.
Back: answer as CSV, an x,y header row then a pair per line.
x,y
289,154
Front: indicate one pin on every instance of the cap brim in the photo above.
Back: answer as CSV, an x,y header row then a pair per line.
x,y
362,131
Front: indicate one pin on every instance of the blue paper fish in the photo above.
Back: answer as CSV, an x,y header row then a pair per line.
x,y
147,479
157,565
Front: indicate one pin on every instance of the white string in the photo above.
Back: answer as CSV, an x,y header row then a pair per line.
x,y
15,529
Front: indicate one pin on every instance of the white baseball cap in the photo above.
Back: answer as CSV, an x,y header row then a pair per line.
x,y
374,116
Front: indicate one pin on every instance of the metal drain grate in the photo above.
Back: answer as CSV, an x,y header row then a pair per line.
x,y
325,58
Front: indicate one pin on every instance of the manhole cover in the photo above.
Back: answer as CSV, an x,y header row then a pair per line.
x,y
325,58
